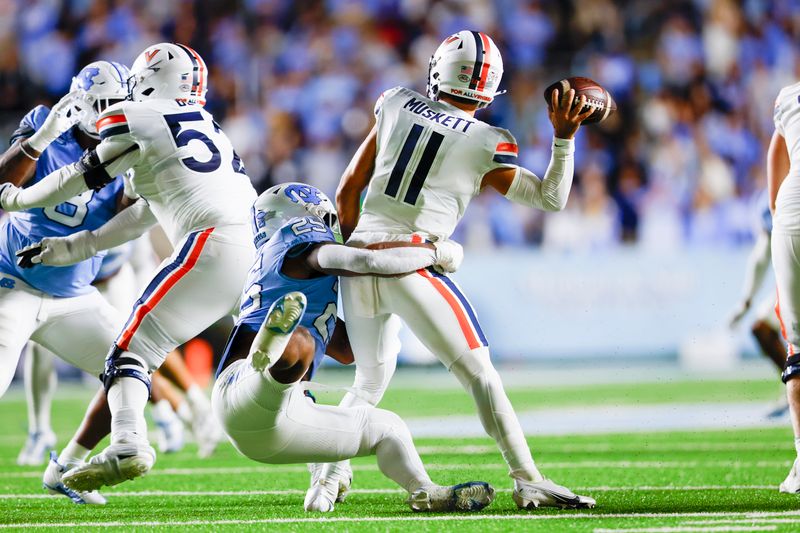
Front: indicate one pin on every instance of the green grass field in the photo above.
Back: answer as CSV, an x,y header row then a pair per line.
x,y
643,481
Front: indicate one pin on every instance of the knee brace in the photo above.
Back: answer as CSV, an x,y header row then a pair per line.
x,y
119,365
791,369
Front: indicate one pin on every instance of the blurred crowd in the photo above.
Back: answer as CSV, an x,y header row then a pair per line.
x,y
293,83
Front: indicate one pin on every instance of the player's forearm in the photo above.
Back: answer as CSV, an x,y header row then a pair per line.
x,y
552,192
18,166
345,260
57,187
129,224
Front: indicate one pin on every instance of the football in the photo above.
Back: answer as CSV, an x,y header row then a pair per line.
x,y
596,96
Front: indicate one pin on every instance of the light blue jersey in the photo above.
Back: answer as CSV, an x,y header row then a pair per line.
x,y
266,283
88,211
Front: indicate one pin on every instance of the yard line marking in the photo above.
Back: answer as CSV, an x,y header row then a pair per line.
x,y
744,520
680,529
450,466
470,449
289,492
410,518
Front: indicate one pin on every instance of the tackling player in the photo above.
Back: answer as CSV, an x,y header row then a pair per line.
x,y
287,319
191,181
783,180
424,160
766,328
57,307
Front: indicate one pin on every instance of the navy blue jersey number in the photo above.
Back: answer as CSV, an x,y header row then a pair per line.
x,y
423,167
183,136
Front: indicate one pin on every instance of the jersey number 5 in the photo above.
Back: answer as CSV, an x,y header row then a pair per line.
x,y
423,166
183,136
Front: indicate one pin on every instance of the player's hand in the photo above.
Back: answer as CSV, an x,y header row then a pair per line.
x,y
739,313
449,255
63,115
59,251
7,190
565,113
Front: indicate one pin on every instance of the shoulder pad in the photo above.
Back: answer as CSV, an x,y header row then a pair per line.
x,y
385,97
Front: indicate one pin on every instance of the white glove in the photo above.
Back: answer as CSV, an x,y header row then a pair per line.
x,y
739,313
65,114
59,251
449,255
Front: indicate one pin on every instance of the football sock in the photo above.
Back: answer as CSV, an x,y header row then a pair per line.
x,y
196,397
797,446
184,412
40,383
127,398
475,372
73,453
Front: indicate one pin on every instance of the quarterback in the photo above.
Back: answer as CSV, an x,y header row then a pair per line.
x,y
189,179
287,320
423,162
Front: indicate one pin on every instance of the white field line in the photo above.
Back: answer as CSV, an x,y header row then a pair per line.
x,y
289,492
407,518
681,529
744,521
449,466
601,447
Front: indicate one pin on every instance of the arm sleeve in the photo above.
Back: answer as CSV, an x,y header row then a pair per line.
x,y
551,193
127,225
388,262
757,265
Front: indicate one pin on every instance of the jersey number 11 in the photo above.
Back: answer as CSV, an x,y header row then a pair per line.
x,y
423,167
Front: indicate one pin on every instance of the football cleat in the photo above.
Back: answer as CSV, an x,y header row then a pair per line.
x,y
36,448
791,485
282,319
545,493
471,496
319,498
119,462
52,483
169,428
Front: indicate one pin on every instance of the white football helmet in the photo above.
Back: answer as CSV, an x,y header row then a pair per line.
x,y
104,83
280,203
171,71
466,65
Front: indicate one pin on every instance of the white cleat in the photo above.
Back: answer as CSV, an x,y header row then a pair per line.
x,y
545,493
321,497
471,496
324,493
36,449
117,463
282,319
51,481
791,485
169,428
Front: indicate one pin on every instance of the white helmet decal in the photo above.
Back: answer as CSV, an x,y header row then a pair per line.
x,y
101,82
280,203
169,70
467,65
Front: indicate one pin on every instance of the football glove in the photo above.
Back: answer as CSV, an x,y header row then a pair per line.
x,y
59,251
449,255
65,114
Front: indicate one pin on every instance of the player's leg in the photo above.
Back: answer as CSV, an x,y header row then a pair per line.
x,y
440,315
269,419
19,307
767,331
40,383
199,284
169,427
786,262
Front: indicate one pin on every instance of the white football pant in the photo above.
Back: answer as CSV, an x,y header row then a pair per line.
x,y
80,329
439,314
276,423
786,262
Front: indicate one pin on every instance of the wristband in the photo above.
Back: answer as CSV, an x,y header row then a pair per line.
x,y
22,149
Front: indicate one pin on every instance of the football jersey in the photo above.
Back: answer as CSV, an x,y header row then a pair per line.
x,y
186,168
266,283
787,123
87,211
430,161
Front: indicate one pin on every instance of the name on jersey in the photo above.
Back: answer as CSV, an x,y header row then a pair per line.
x,y
420,108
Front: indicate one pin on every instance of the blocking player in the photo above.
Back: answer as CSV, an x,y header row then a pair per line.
x,y
766,328
783,179
287,319
423,162
58,308
191,181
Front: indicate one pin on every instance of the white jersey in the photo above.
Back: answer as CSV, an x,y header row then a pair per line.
x,y
186,168
787,123
431,158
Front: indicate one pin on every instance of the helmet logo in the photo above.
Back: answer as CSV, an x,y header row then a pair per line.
x,y
84,79
304,193
451,39
148,56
